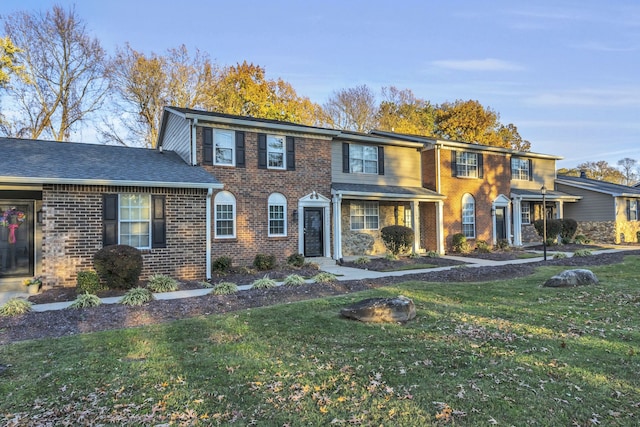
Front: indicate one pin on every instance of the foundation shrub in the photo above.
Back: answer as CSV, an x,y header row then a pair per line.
x,y
119,266
397,238
222,264
264,262
88,282
296,260
459,243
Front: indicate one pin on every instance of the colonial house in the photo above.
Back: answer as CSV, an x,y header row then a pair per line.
x,y
62,202
607,212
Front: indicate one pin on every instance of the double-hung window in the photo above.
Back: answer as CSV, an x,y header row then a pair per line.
x,y
468,216
633,210
363,159
521,169
525,210
276,157
134,219
225,215
224,147
277,215
467,164
364,215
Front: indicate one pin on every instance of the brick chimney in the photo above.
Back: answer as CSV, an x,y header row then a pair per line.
x,y
583,173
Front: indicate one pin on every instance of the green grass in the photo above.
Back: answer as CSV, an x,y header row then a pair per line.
x,y
506,353
411,267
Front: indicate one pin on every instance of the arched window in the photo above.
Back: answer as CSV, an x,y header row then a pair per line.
x,y
225,215
277,215
468,216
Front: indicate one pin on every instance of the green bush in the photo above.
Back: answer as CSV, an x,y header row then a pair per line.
x,y
390,257
324,277
224,288
581,239
569,229
88,282
222,264
482,247
554,227
459,243
86,300
362,260
162,283
433,254
119,266
559,255
502,244
294,280
137,296
397,238
264,262
414,255
15,307
296,260
264,283
206,285
582,252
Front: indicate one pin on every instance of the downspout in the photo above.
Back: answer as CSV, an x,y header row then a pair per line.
x,y
194,145
208,234
438,170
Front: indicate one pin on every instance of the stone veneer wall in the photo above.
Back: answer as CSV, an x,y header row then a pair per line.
x,y
355,243
598,231
529,234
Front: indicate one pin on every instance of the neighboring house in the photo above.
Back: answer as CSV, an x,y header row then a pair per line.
x,y
607,212
492,194
62,202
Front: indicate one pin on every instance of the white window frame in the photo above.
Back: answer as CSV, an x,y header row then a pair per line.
x,y
525,210
363,159
520,169
222,202
224,140
466,164
366,213
633,210
133,214
468,216
274,151
277,202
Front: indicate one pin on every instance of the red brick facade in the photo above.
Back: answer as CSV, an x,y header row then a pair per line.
x,y
72,229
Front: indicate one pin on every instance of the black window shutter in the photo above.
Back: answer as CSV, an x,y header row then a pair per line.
x,y
207,146
158,222
380,160
291,154
345,157
262,151
454,164
480,166
240,150
628,210
511,167
109,219
530,170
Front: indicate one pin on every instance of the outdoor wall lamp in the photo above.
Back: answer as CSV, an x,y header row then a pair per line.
x,y
294,215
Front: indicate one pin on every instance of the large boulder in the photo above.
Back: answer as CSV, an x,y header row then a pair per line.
x,y
571,278
399,309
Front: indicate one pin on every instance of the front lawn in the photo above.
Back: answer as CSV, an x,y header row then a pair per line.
x,y
505,353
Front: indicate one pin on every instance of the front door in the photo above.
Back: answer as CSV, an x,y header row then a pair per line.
x,y
313,232
501,226
16,238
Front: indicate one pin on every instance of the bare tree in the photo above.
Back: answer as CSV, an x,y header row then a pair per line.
x,y
629,170
351,109
65,70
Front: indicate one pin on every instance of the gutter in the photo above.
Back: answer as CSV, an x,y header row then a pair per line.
x,y
194,145
76,181
208,234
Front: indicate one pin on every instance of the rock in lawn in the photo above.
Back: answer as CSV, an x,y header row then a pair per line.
x,y
571,278
399,309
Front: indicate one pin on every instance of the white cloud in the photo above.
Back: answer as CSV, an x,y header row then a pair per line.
x,y
616,97
488,64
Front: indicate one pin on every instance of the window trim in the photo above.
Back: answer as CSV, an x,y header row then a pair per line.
x,y
275,200
147,221
522,170
363,159
233,147
527,213
466,200
633,208
464,155
364,204
283,152
224,198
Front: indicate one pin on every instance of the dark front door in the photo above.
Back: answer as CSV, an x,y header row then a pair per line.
x,y
313,232
16,239
501,227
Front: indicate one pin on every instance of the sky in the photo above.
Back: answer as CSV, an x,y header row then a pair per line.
x,y
566,73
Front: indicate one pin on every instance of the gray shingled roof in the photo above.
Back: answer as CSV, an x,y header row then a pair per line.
x,y
536,194
615,190
390,190
35,162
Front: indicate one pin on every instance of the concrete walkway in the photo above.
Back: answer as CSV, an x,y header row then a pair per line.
x,y
326,264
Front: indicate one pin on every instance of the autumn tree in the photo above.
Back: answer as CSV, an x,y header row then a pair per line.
x,y
602,171
400,111
351,109
8,61
629,170
469,121
64,69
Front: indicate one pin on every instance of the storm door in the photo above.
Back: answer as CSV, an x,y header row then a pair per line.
x,y
313,232
16,238
501,225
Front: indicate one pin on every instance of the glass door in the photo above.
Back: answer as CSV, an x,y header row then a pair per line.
x,y
16,238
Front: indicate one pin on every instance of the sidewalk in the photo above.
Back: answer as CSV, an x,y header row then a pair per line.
x,y
326,264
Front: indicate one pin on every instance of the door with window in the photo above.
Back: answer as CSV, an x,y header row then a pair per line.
x,y
501,226
313,232
16,238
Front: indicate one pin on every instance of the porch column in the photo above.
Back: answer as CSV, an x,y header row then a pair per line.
x,y
560,209
337,226
517,221
415,221
440,227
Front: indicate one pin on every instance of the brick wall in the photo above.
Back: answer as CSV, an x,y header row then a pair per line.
x,y
72,232
252,186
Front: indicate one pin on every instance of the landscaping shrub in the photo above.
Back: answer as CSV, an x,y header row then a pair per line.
x,y
224,288
294,280
324,277
15,307
459,243
88,282
206,285
222,264
397,238
119,266
583,252
390,257
264,283
264,262
502,244
296,260
433,254
569,229
554,227
137,296
581,239
162,283
559,255
482,247
86,300
362,260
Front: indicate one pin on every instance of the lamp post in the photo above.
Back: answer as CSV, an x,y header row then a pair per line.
x,y
544,221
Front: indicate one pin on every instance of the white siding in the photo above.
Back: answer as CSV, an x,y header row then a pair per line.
x,y
177,137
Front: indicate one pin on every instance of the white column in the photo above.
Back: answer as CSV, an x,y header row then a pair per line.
x,y
440,227
517,221
337,226
415,221
559,209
